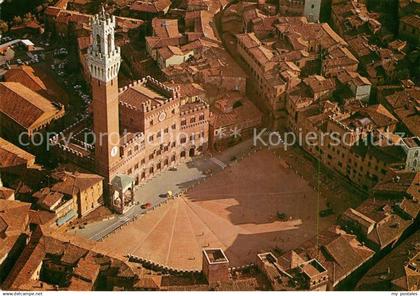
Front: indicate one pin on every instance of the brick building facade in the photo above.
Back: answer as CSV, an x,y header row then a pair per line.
x,y
143,128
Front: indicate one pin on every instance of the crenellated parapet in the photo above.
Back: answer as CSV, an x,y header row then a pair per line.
x,y
169,94
195,109
339,123
104,57
174,93
138,138
132,84
129,106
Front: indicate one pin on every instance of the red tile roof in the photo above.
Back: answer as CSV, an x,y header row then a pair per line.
x,y
138,94
26,107
86,262
412,20
41,217
240,115
6,193
74,183
165,28
341,253
26,76
151,7
319,83
12,156
14,217
48,199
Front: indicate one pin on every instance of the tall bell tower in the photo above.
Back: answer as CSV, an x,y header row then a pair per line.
x,y
312,10
104,60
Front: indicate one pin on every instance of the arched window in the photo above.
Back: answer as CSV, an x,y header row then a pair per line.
x,y
98,43
109,43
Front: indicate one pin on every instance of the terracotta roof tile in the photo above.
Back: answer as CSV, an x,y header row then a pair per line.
x,y
319,83
247,112
41,217
6,193
151,7
73,183
48,199
138,94
401,183
412,20
14,216
165,28
26,107
26,76
12,156
339,253
87,269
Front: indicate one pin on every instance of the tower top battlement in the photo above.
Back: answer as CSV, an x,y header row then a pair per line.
x,y
104,57
103,18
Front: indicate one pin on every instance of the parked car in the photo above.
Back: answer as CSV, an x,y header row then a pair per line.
x,y
281,216
326,212
146,205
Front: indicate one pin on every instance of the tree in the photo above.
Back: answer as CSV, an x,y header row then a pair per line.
x,y
10,9
17,20
4,27
402,73
27,17
237,104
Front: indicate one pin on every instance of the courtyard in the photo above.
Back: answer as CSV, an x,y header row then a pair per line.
x,y
236,209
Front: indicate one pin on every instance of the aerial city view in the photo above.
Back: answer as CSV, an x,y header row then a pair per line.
x,y
210,145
